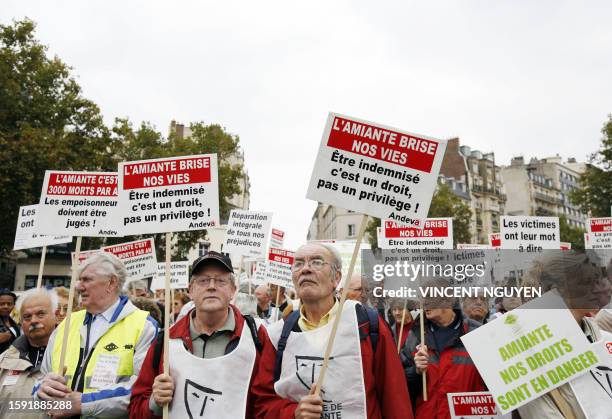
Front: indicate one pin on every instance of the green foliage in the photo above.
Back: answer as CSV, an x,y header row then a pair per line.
x,y
443,204
568,233
595,195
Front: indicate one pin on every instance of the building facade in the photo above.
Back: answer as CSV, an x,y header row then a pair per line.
x,y
542,187
330,222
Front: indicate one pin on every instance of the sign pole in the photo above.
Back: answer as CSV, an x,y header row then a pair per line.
x,y
73,280
42,266
345,282
399,337
278,316
424,375
167,312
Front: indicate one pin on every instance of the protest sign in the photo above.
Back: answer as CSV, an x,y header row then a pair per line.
x,y
476,405
437,233
565,246
277,238
278,269
83,254
376,170
247,233
528,352
259,275
495,240
599,225
530,234
78,204
137,256
169,194
26,236
179,276
598,241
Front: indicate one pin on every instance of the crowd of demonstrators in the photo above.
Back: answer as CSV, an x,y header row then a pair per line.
x,y
215,352
9,329
442,356
365,376
109,337
20,363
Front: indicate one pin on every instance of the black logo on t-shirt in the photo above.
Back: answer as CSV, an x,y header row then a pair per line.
x,y
197,398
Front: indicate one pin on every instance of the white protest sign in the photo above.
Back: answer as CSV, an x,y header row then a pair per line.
x,y
277,238
473,405
247,233
598,241
530,234
278,269
599,225
179,276
78,204
495,240
376,170
259,276
137,256
26,237
463,246
437,233
169,194
528,352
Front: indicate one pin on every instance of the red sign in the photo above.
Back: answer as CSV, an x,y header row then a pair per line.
x,y
495,239
281,256
82,184
432,228
278,233
390,146
473,405
609,347
129,250
166,173
601,225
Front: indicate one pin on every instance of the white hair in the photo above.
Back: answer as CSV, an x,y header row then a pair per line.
x,y
336,258
108,265
49,294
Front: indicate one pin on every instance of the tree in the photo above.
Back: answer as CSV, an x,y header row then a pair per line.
x,y
568,233
146,143
444,203
45,123
595,194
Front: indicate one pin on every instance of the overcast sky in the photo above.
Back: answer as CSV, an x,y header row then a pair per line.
x,y
530,78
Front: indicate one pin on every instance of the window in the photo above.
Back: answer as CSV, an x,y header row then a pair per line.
x,y
203,248
351,230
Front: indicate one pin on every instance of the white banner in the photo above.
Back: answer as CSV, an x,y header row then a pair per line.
x,y
26,237
169,194
376,170
78,204
138,257
530,234
247,233
179,276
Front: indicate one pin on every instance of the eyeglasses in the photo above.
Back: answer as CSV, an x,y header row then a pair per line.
x,y
314,264
204,281
39,315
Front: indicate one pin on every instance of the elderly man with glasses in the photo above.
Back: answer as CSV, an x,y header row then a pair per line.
x,y
214,350
364,379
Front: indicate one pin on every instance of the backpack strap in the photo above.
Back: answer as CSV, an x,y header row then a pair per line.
x,y
250,321
157,350
290,322
368,315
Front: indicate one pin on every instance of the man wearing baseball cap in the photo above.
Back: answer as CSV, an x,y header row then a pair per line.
x,y
213,353
9,330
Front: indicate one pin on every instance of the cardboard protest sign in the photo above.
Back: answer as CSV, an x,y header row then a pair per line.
x,y
277,238
530,234
278,269
376,170
599,225
495,240
78,204
137,256
179,276
247,233
528,352
26,236
476,405
169,194
437,233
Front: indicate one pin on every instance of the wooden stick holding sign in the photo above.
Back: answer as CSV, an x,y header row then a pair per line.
x,y
424,375
167,312
42,266
399,337
73,280
278,313
345,288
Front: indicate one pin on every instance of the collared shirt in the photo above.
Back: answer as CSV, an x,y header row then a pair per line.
x,y
101,323
307,325
212,346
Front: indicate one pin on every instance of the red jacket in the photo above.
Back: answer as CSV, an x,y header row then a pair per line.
x,y
450,370
142,388
385,384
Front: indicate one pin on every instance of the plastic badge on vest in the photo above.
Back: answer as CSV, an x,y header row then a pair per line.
x,y
105,371
11,378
